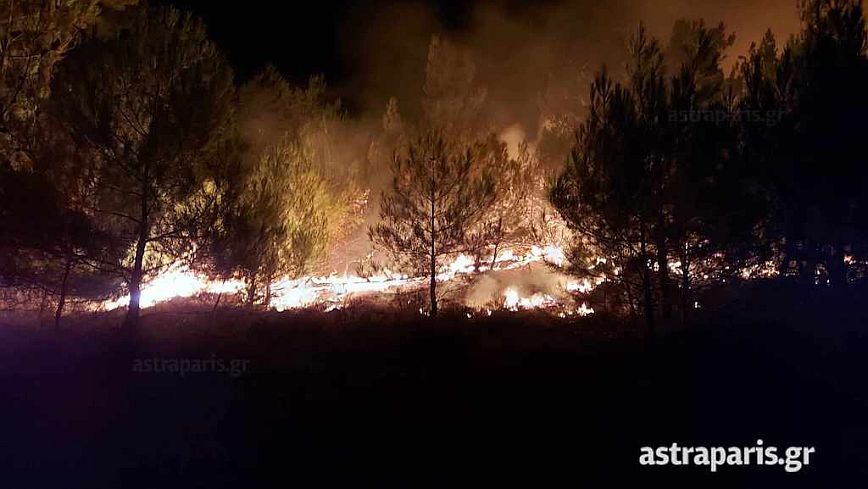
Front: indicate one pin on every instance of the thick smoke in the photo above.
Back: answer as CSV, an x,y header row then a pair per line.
x,y
530,58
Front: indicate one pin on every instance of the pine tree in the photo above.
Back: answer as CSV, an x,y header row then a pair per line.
x,y
605,194
439,193
149,102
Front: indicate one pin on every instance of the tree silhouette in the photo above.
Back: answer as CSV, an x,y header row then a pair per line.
x,y
653,174
811,161
711,212
604,194
50,242
149,102
53,245
439,193
288,195
831,105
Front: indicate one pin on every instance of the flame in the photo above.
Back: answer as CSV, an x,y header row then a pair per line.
x,y
461,265
582,287
767,269
333,290
177,282
513,301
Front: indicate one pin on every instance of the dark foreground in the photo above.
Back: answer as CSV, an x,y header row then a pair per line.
x,y
342,400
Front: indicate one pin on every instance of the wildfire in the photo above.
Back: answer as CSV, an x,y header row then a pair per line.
x,y
767,269
513,301
333,290
582,287
177,282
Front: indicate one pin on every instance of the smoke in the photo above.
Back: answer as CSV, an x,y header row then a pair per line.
x,y
533,61
490,289
529,58
513,136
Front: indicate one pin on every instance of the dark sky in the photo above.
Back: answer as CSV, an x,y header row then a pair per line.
x,y
332,37
300,42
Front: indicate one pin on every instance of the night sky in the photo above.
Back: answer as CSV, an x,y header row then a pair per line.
x,y
332,38
300,42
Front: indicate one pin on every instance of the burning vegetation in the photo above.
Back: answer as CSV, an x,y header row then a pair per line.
x,y
135,170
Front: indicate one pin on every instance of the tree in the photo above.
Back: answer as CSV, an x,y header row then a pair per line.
x,y
53,245
276,219
34,36
810,159
48,239
654,171
605,193
273,111
612,193
712,210
648,90
830,103
150,102
453,105
439,192
766,93
508,219
451,101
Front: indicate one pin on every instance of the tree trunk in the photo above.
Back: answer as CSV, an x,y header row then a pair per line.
x,y
631,301
494,257
251,291
647,292
433,287
433,246
217,302
433,293
838,267
63,286
268,294
648,300
663,272
132,319
685,286
497,244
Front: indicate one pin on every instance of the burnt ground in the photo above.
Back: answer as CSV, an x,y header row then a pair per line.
x,y
370,399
